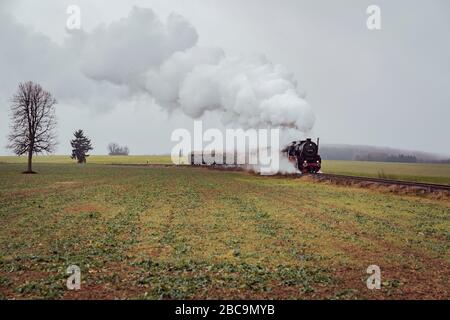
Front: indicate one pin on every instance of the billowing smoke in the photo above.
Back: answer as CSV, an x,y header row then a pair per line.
x,y
163,59
141,56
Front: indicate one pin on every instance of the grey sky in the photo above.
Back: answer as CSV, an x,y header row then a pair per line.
x,y
389,87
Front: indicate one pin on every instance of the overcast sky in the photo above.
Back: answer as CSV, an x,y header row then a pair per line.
x,y
388,87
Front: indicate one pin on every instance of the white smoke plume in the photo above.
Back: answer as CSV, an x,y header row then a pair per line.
x,y
164,60
141,55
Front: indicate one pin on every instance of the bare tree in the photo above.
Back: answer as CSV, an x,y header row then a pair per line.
x,y
112,148
115,150
33,122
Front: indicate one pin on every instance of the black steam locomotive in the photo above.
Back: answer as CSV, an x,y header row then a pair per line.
x,y
305,155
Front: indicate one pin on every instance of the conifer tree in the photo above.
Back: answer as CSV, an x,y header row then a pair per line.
x,y
81,145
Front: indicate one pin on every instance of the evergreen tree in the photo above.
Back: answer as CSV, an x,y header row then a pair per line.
x,y
81,145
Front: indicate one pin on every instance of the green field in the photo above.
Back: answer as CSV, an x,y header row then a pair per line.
x,y
421,172
91,159
184,232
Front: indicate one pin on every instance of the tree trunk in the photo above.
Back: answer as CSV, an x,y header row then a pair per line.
x,y
30,158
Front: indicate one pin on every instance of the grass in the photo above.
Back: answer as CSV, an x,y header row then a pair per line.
x,y
184,232
95,159
420,172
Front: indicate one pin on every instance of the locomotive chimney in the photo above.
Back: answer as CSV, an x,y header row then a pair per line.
x,y
317,143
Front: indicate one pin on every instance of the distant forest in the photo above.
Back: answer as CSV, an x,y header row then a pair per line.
x,y
369,153
384,157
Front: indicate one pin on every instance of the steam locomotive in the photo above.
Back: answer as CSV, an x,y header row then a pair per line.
x,y
305,155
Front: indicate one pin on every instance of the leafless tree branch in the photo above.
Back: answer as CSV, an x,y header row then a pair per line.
x,y
33,121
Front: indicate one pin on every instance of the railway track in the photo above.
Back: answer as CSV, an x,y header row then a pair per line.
x,y
430,187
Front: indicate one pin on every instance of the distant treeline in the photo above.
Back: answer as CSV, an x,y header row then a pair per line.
x,y
384,157
368,153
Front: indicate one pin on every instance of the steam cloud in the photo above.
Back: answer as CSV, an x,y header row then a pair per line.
x,y
140,54
164,60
